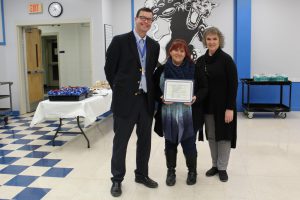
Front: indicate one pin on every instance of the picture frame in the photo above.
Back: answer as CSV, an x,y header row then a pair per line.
x,y
178,90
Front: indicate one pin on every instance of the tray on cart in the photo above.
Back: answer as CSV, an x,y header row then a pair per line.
x,y
251,81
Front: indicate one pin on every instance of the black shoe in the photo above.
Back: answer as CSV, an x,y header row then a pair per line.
x,y
171,177
148,182
223,175
212,171
116,189
191,163
191,178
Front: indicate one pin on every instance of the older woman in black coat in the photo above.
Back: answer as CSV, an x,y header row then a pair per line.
x,y
179,122
220,105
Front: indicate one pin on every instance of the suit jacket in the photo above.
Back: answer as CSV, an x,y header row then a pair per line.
x,y
123,72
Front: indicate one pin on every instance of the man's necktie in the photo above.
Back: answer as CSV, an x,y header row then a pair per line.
x,y
143,62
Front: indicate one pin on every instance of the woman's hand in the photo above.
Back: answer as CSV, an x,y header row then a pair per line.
x,y
191,103
166,102
228,116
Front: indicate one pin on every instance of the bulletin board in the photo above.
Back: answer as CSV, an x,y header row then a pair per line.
x,y
2,29
108,34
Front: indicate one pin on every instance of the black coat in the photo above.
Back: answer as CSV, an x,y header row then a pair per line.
x,y
123,72
200,91
222,91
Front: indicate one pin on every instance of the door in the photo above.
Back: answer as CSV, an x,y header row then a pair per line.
x,y
53,63
50,62
34,67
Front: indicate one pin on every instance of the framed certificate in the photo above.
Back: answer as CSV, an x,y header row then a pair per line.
x,y
178,90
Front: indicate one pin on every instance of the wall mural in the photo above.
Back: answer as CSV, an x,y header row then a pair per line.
x,y
183,19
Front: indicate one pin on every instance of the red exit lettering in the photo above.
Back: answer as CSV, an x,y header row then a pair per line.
x,y
35,8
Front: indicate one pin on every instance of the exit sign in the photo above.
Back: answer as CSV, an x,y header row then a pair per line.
x,y
35,8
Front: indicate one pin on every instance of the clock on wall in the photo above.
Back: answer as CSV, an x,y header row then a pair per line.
x,y
55,9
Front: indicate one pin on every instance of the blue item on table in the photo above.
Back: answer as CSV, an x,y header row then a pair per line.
x,y
69,91
68,94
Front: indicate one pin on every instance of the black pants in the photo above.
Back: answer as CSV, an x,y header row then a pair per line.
x,y
188,146
123,128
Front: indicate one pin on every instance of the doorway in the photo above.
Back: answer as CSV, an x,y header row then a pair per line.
x,y
50,63
64,60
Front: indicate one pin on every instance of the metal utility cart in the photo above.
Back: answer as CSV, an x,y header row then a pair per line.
x,y
4,112
279,109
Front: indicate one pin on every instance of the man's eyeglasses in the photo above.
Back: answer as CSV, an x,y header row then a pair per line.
x,y
144,19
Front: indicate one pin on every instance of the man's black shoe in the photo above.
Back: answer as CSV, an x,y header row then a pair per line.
x,y
148,182
116,189
212,171
223,175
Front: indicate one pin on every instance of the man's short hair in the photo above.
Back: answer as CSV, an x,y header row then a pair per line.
x,y
143,9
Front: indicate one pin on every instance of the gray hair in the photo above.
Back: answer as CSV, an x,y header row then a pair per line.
x,y
214,31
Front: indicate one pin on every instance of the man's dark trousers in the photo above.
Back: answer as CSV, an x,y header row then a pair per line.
x,y
123,128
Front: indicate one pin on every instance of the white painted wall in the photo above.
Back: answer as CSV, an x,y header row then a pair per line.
x,y
275,37
107,11
2,61
84,57
121,16
222,17
74,11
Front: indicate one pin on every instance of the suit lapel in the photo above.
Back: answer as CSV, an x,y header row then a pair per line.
x,y
133,47
148,58
148,52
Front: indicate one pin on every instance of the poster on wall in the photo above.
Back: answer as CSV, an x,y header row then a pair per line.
x,y
108,34
2,33
187,19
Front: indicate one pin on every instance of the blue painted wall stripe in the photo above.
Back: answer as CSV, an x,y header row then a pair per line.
x,y
242,42
3,24
242,51
132,14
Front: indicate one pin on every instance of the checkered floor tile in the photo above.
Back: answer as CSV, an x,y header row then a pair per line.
x,y
23,158
25,155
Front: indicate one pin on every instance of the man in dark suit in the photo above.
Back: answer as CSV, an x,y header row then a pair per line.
x,y
130,62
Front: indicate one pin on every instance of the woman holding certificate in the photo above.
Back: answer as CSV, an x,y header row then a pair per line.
x,y
179,113
220,104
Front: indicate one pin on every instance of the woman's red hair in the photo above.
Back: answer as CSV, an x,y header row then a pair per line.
x,y
180,44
